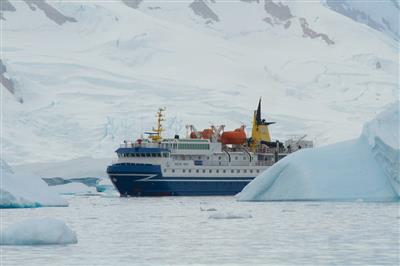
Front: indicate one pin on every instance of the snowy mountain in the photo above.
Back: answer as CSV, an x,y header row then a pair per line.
x,y
382,15
86,75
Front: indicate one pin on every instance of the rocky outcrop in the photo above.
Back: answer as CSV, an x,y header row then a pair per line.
x,y
308,32
49,11
201,9
8,83
132,3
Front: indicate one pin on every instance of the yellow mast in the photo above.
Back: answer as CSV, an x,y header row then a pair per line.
x,y
160,117
260,131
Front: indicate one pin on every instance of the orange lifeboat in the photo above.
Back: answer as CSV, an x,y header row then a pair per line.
x,y
193,135
237,137
207,133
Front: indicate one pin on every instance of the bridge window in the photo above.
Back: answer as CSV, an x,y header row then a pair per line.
x,y
245,170
189,170
224,171
232,171
217,171
183,171
210,171
258,170
238,171
173,170
251,171
204,170
197,170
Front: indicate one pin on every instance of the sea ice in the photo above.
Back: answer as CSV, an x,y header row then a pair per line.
x,y
24,190
43,231
366,168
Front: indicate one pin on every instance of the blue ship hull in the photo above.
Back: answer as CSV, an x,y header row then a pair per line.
x,y
147,180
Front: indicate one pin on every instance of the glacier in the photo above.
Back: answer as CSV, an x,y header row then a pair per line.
x,y
43,231
366,168
25,190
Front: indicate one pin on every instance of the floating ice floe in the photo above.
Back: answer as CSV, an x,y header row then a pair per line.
x,y
365,169
74,189
24,190
104,185
44,231
230,215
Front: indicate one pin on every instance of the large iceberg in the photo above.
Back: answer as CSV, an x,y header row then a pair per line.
x,y
44,231
366,168
25,190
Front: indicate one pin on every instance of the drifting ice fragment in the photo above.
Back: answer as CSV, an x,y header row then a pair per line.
x,y
38,232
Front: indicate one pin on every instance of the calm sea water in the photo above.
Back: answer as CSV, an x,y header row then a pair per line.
x,y
179,231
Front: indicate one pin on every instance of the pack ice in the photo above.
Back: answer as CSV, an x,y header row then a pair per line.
x,y
366,168
25,190
43,231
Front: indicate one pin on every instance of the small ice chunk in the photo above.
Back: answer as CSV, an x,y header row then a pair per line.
x,y
45,231
208,209
230,215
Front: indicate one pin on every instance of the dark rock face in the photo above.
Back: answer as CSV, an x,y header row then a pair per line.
x,y
5,5
201,9
7,82
308,32
279,11
49,11
132,3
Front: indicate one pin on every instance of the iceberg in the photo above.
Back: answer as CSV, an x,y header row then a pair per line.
x,y
73,189
25,190
366,168
43,231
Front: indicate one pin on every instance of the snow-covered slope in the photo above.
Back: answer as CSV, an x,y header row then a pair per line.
x,y
382,15
366,168
90,74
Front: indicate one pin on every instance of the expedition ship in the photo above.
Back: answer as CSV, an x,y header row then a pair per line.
x,y
207,162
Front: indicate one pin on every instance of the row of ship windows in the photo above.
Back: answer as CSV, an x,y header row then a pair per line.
x,y
164,154
216,171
